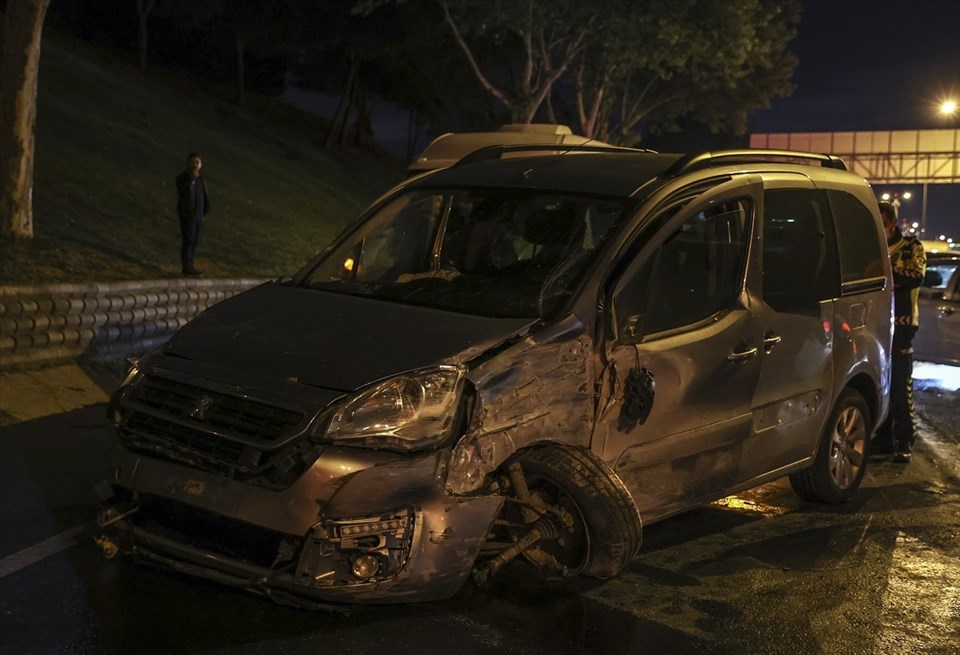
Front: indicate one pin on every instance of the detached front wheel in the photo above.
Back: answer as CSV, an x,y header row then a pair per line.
x,y
841,459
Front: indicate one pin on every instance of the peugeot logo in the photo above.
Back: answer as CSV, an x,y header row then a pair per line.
x,y
199,411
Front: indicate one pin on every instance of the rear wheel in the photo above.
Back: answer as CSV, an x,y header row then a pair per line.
x,y
842,455
570,513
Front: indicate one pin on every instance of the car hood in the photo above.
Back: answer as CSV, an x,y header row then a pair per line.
x,y
333,340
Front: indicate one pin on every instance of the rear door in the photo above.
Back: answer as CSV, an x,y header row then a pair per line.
x,y
793,290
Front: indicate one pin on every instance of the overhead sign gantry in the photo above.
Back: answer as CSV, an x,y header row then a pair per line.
x,y
884,157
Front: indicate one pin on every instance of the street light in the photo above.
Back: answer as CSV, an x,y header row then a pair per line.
x,y
948,107
896,199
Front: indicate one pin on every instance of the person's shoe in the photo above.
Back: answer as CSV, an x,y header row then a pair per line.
x,y
902,457
192,272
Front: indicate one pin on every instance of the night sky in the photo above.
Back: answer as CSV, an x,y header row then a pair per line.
x,y
877,65
870,65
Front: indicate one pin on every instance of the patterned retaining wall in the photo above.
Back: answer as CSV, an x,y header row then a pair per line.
x,y
57,323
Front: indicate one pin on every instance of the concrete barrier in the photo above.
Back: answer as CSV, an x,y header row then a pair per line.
x,y
41,325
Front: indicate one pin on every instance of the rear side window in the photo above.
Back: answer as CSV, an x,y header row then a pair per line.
x,y
939,273
860,253
799,255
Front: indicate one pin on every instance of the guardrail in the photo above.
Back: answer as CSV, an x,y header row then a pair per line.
x,y
56,323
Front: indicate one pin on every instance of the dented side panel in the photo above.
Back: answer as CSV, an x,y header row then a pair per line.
x,y
540,390
690,446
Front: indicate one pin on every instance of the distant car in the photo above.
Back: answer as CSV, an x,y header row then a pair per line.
x,y
938,339
524,354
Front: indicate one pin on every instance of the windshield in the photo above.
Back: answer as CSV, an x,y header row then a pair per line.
x,y
492,252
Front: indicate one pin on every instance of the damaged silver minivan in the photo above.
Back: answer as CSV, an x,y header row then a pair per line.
x,y
525,356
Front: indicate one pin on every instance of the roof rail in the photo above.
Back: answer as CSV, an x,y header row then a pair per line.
x,y
750,155
490,153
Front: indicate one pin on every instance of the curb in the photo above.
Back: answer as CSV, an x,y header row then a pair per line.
x,y
42,325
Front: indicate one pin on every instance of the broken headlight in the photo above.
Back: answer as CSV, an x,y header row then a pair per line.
x,y
407,412
132,375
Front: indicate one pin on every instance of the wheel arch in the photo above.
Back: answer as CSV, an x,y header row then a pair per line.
x,y
841,459
868,389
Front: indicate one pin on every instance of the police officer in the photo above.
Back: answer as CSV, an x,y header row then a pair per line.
x,y
909,263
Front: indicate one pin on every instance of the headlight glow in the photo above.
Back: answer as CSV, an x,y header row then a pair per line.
x,y
406,412
132,374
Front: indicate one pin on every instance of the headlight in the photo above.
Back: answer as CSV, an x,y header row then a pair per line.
x,y
407,412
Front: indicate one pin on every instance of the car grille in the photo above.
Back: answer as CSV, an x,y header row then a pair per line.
x,y
193,422
212,532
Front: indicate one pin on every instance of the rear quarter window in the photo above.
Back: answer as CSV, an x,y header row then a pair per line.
x,y
799,256
861,255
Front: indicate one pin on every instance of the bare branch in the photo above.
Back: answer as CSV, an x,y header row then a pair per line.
x,y
494,91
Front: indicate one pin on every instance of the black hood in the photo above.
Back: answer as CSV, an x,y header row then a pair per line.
x,y
331,340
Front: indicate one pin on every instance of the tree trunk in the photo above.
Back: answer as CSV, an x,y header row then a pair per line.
x,y
335,138
19,71
144,7
362,122
551,112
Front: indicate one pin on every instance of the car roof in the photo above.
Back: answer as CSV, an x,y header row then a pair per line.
x,y
619,173
447,149
941,254
614,171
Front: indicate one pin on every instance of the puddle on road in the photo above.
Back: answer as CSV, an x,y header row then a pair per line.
x,y
746,505
921,602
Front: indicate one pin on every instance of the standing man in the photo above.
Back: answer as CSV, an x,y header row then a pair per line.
x,y
192,205
909,264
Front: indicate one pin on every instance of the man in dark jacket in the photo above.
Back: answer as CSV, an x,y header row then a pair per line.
x,y
192,205
909,265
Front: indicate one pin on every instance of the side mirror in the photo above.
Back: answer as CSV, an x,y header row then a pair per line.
x,y
932,279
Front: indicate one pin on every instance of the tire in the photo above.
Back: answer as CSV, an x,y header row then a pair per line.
x,y
606,531
841,459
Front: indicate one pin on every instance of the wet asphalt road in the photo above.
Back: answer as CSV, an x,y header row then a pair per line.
x,y
759,573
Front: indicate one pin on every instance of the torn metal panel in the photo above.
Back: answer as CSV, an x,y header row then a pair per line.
x,y
537,391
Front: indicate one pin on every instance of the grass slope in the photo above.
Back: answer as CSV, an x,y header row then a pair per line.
x,y
110,141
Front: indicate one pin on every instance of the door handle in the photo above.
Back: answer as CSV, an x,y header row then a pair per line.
x,y
770,339
741,355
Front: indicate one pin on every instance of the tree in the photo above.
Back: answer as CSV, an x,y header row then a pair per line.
x,y
261,27
264,28
410,63
712,61
545,36
19,72
618,65
398,52
336,60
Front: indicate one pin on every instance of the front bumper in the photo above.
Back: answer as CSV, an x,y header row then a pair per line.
x,y
357,527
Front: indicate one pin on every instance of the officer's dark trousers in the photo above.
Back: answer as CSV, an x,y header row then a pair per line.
x,y
900,421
